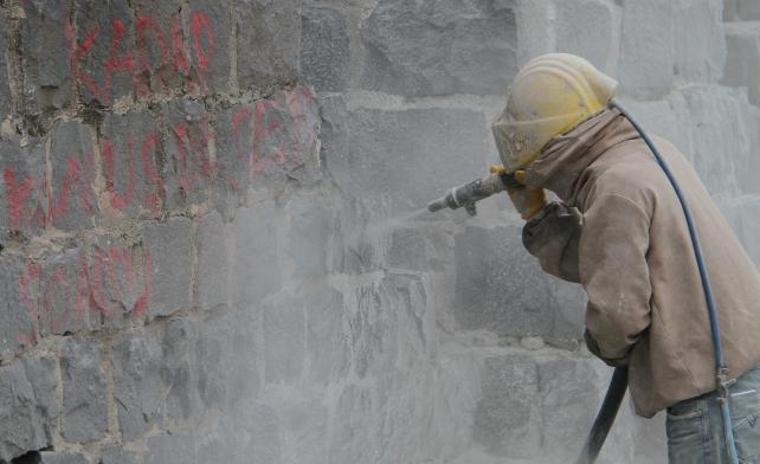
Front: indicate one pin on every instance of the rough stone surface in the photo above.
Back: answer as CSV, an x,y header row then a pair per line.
x,y
73,204
117,455
410,157
433,48
699,40
268,43
743,57
741,10
325,54
30,411
24,204
171,258
85,390
212,30
62,457
20,305
5,91
213,263
600,21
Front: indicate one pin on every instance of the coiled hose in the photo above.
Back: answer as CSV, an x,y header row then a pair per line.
x,y
619,383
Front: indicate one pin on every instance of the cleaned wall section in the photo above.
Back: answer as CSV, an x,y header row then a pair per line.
x,y
214,247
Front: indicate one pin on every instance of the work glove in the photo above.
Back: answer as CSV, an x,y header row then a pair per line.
x,y
528,201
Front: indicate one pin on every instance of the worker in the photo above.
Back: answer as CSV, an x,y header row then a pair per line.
x,y
618,229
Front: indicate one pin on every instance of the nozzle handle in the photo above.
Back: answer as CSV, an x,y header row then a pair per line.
x,y
470,193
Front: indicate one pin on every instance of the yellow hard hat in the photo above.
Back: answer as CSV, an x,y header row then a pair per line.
x,y
549,96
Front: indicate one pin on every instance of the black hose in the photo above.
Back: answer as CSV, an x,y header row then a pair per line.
x,y
605,417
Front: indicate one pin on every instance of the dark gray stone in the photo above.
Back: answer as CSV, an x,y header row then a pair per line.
x,y
254,239
85,391
162,69
508,415
29,406
46,63
213,275
5,91
138,385
116,454
20,306
212,33
435,48
62,457
410,157
65,294
23,202
171,250
73,205
325,53
234,152
129,146
499,286
268,43
107,70
188,171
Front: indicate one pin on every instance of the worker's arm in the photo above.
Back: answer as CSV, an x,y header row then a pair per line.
x,y
615,274
552,236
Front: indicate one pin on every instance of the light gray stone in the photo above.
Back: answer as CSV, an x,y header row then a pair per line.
x,y
138,385
284,338
171,250
179,370
437,48
171,448
599,21
699,40
116,454
308,230
508,414
62,457
647,54
411,157
29,405
325,54
85,391
743,59
213,276
499,286
742,10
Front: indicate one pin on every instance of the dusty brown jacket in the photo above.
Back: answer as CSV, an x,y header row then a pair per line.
x,y
629,247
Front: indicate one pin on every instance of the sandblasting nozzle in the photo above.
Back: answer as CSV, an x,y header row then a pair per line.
x,y
465,196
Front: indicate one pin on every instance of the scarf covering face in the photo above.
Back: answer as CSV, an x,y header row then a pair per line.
x,y
560,165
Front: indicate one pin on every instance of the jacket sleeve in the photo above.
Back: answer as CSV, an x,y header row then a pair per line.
x,y
552,237
615,274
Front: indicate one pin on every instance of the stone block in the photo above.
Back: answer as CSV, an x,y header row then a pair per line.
x,y
743,213
647,54
327,349
106,70
499,286
433,48
119,275
46,69
62,457
307,232
743,57
508,414
599,41
233,137
325,52
116,454
24,203
179,371
138,385
212,39
189,169
720,146
30,409
350,441
742,10
335,131
129,149
410,157
64,306
73,205
659,117
162,49
213,274
19,282
254,239
699,40
5,91
85,391
268,43
172,259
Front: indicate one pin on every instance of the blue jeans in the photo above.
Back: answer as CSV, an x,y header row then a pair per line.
x,y
695,427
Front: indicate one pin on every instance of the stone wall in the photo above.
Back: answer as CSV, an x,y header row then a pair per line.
x,y
213,241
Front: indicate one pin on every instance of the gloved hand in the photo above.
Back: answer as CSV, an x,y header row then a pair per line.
x,y
527,201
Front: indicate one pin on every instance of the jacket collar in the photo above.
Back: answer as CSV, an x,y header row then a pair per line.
x,y
563,160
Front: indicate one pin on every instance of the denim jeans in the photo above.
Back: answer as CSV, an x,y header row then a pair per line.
x,y
695,426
